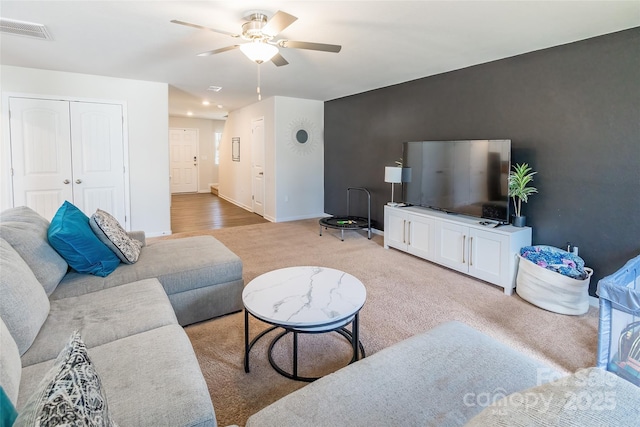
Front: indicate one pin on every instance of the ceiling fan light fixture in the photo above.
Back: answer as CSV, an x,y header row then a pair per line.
x,y
259,51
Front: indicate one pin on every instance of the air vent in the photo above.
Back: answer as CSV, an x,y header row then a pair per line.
x,y
214,88
21,28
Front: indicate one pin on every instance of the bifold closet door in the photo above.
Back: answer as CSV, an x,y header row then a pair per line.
x,y
63,150
40,154
97,154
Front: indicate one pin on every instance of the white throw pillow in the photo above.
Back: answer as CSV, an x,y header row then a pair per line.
x,y
111,233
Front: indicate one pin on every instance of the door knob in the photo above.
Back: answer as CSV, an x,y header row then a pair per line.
x,y
78,181
66,181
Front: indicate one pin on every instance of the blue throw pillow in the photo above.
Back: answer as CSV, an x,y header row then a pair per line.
x,y
8,413
71,236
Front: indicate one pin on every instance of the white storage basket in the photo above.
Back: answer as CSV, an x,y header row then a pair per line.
x,y
552,291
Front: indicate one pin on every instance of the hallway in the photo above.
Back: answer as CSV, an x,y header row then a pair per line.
x,y
205,211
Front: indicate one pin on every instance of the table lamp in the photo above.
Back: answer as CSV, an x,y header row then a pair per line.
x,y
392,175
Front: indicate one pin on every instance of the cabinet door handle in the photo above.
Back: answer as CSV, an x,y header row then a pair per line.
x,y
78,181
409,234
404,231
470,251
66,181
464,241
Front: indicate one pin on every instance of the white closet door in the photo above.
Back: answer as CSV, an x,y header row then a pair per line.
x,y
63,150
98,158
41,154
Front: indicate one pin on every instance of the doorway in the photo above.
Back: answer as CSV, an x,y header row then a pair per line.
x,y
257,166
68,150
183,160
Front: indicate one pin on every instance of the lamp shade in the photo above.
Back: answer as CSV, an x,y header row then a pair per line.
x,y
259,51
393,174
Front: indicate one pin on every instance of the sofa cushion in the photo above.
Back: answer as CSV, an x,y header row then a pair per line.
x,y
10,365
72,237
71,392
111,233
24,305
435,378
209,262
127,310
590,397
26,231
151,379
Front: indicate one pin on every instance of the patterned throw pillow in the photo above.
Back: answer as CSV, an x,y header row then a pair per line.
x,y
70,394
111,233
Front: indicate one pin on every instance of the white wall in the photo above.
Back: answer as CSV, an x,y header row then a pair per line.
x,y
294,175
235,177
207,169
147,120
299,167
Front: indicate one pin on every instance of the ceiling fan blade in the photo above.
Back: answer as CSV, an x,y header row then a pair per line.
x,y
200,27
278,22
222,49
279,60
310,46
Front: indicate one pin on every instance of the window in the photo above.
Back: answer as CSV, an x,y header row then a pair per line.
x,y
217,136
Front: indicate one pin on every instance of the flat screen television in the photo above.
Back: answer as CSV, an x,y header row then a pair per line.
x,y
467,177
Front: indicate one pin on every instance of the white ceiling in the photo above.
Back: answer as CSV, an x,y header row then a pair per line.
x,y
383,42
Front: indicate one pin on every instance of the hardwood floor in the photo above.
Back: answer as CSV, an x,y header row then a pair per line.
x,y
205,211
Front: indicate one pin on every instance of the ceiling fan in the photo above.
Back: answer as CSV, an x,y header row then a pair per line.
x,y
260,32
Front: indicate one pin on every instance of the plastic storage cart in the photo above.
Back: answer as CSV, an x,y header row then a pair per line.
x,y
619,327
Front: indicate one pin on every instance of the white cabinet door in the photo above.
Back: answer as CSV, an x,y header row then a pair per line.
x,y
489,256
395,229
421,236
40,154
451,245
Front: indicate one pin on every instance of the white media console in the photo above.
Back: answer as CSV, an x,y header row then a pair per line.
x,y
463,243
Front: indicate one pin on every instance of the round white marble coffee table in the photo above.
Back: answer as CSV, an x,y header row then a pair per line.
x,y
304,300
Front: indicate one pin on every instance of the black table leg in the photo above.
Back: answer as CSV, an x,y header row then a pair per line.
x,y
355,338
295,354
246,341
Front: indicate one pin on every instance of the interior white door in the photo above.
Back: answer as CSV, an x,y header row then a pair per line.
x,y
63,150
40,154
257,166
98,158
184,160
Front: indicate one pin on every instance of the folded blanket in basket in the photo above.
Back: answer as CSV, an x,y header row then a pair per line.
x,y
556,259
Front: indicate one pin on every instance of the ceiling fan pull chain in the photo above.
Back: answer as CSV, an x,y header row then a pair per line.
x,y
258,89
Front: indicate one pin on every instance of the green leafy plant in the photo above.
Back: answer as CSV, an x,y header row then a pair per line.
x,y
519,191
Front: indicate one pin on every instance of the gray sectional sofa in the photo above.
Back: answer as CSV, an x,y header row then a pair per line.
x,y
454,375
130,321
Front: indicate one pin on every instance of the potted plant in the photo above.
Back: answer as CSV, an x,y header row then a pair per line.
x,y
519,190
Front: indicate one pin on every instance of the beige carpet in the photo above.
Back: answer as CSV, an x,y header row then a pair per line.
x,y
405,296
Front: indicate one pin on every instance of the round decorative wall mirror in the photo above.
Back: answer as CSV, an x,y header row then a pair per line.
x,y
303,137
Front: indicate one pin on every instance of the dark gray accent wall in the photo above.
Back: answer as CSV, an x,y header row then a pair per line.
x,y
572,112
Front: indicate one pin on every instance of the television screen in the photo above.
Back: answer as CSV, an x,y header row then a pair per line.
x,y
467,177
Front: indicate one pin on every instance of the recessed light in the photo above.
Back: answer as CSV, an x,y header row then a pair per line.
x,y
205,102
215,88
189,113
219,105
